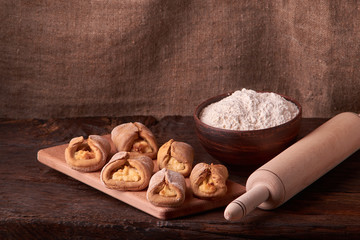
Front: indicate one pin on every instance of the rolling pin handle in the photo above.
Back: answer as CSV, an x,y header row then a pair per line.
x,y
247,202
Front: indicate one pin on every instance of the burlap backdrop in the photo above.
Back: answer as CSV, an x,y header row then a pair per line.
x,y
67,58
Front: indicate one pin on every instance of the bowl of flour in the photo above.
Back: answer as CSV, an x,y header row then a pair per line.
x,y
246,127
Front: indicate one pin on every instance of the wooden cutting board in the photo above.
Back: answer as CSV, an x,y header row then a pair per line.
x,y
54,157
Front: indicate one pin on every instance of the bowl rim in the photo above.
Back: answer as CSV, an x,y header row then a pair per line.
x,y
219,97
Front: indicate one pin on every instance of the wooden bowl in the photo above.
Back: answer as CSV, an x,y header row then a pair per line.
x,y
250,148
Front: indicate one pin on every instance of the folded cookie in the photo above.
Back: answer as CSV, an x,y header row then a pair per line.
x,y
134,138
87,155
166,189
127,173
176,156
209,181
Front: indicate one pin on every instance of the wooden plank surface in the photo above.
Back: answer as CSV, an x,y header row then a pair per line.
x,y
38,202
54,157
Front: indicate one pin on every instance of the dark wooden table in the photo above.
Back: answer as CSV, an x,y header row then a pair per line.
x,y
39,202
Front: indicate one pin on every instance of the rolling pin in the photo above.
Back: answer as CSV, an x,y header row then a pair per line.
x,y
298,166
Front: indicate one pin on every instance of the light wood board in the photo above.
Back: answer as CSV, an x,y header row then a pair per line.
x,y
54,157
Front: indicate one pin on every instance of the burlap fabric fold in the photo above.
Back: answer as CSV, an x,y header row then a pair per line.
x,y
91,58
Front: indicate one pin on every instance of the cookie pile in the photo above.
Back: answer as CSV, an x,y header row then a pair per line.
x,y
131,168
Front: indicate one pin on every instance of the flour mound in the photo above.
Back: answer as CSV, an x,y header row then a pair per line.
x,y
249,110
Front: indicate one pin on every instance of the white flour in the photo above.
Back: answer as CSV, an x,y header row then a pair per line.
x,y
248,110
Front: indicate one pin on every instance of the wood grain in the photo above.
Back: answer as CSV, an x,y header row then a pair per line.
x,y
54,158
38,202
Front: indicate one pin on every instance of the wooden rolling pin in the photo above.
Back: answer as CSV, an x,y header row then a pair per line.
x,y
298,166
